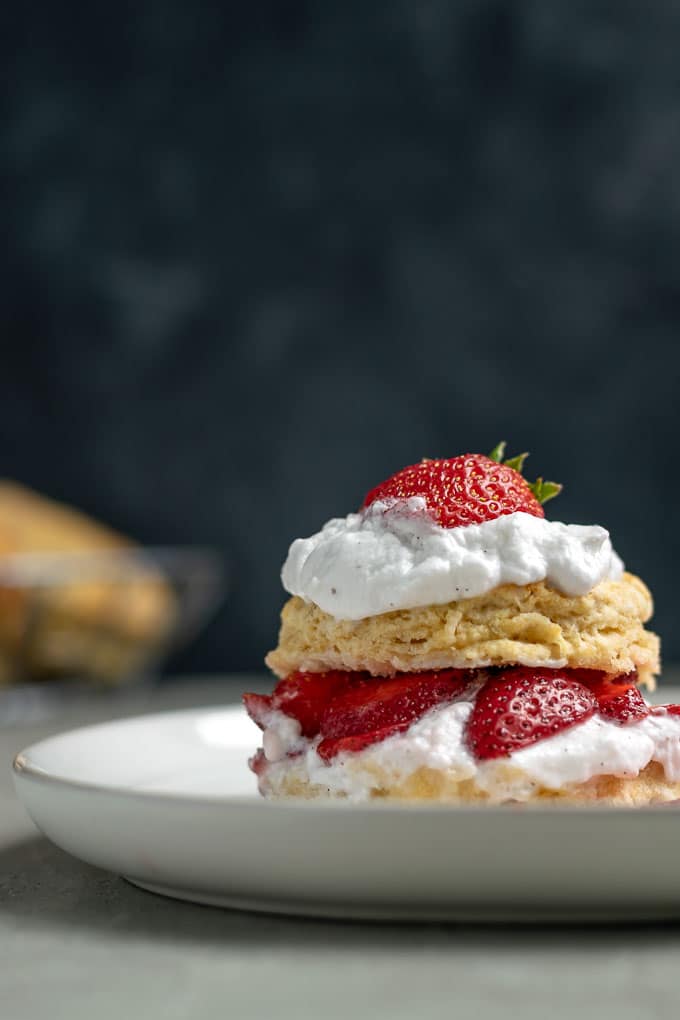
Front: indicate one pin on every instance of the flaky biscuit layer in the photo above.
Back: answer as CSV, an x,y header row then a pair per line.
x,y
533,625
431,785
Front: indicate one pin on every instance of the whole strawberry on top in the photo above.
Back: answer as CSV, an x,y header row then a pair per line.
x,y
468,489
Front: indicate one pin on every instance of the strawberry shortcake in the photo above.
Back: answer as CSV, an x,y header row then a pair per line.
x,y
449,643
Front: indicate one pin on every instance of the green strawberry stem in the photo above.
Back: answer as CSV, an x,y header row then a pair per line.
x,y
516,462
498,452
542,490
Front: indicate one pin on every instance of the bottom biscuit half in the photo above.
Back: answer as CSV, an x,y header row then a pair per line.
x,y
431,785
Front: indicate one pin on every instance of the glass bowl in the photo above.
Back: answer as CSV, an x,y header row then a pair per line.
x,y
102,618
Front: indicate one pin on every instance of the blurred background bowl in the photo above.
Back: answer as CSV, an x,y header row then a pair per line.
x,y
102,618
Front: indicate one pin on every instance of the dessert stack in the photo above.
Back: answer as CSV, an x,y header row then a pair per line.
x,y
447,642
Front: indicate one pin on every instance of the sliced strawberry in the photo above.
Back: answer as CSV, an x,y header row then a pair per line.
x,y
666,710
258,706
258,762
590,678
618,697
304,696
627,707
377,708
603,685
522,706
330,746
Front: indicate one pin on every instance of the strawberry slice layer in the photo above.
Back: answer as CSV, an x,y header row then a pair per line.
x,y
377,709
627,707
258,707
303,696
618,698
351,710
332,746
522,706
516,707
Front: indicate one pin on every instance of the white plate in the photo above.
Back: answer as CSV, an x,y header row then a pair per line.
x,y
167,801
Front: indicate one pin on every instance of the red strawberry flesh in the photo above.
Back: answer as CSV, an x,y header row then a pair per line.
x,y
258,707
522,706
332,746
303,696
258,762
618,698
515,707
377,709
666,710
627,707
469,489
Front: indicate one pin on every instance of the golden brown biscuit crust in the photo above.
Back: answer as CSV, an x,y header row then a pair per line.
x,y
532,625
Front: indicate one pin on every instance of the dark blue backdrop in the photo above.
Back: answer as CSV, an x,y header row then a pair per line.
x,y
259,256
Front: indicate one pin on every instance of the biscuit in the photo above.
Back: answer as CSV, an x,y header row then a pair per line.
x,y
532,625
438,785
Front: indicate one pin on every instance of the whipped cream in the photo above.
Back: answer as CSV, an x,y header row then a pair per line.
x,y
393,555
592,748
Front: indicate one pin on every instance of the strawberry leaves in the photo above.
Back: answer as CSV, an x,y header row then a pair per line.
x,y
542,490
